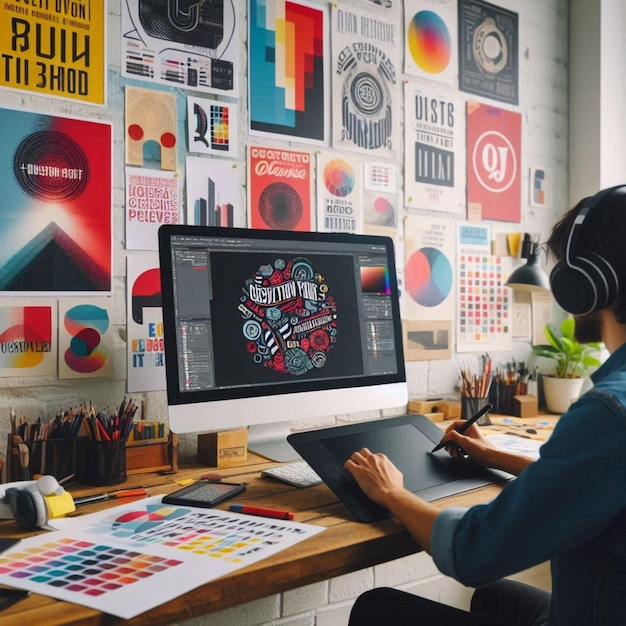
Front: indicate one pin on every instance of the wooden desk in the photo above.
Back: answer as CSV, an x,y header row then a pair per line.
x,y
345,546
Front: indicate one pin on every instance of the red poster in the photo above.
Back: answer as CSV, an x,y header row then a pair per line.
x,y
279,189
494,138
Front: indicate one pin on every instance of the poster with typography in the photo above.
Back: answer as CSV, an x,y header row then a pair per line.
x,y
187,45
488,51
434,148
365,61
288,61
212,127
85,338
339,193
144,325
494,178
28,340
430,40
279,189
54,49
429,289
152,199
213,187
55,214
483,301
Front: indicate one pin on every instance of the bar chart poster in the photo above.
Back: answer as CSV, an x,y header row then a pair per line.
x,y
213,187
428,285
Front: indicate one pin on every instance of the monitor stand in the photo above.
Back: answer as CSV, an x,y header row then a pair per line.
x,y
270,441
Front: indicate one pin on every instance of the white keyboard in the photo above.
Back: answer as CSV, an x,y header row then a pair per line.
x,y
298,473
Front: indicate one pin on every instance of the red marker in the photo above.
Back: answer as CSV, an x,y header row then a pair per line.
x,y
256,510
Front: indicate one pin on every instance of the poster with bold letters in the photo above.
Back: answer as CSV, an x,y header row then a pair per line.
x,y
366,52
434,149
54,49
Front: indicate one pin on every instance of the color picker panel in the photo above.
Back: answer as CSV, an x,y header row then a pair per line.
x,y
375,280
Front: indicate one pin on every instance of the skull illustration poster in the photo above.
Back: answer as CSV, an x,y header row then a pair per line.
x,y
365,81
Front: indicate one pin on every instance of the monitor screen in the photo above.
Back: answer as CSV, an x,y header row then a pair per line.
x,y
269,326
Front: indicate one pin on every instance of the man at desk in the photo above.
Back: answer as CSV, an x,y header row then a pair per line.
x,y
569,505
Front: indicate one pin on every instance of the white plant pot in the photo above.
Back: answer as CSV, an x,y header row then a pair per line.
x,y
559,393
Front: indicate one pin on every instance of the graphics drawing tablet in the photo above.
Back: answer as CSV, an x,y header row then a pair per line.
x,y
407,441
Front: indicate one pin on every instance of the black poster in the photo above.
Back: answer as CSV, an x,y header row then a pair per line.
x,y
488,51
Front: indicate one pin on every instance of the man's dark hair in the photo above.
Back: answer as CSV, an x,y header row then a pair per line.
x,y
603,232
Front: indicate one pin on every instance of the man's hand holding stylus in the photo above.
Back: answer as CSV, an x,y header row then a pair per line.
x,y
478,448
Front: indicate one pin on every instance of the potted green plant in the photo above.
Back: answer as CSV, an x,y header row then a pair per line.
x,y
573,363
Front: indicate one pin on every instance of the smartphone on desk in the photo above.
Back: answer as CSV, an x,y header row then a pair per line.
x,y
204,494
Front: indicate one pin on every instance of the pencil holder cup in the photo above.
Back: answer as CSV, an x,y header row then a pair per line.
x,y
501,396
471,406
106,462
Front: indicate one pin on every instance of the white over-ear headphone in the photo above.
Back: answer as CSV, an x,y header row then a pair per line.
x,y
28,501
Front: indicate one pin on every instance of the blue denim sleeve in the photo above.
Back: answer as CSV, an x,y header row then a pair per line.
x,y
561,501
442,539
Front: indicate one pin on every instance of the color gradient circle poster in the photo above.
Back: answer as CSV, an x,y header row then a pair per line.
x,y
431,40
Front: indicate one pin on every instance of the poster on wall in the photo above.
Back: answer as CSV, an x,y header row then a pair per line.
x,y
434,150
28,345
339,207
279,189
54,49
429,288
365,70
483,301
212,127
144,324
540,191
288,61
152,198
488,51
430,40
150,118
494,177
188,45
213,193
85,338
55,214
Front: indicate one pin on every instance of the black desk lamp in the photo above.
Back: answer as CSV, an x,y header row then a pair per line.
x,y
529,277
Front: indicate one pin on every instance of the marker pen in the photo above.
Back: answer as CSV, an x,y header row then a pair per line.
x,y
255,510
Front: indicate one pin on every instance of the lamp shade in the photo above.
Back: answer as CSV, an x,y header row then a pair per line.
x,y
529,277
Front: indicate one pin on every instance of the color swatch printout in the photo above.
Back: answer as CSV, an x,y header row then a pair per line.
x,y
129,559
484,313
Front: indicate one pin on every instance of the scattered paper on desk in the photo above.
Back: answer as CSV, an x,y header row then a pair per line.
x,y
516,445
131,558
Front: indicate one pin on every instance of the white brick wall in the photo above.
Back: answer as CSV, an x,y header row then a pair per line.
x,y
543,66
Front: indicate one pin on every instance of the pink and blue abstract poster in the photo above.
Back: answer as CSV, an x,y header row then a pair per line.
x,y
287,70
55,214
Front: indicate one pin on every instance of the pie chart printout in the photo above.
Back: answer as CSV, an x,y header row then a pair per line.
x,y
428,277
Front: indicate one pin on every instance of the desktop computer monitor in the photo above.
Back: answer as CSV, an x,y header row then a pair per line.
x,y
267,327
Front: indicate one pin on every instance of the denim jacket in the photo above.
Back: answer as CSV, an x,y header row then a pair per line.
x,y
569,506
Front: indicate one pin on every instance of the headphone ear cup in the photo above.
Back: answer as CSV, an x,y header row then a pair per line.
x,y
585,285
29,508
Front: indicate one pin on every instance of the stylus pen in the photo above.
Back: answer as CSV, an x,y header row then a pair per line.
x,y
256,510
463,427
